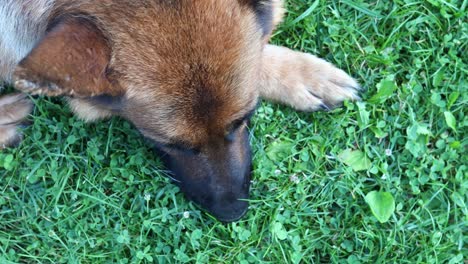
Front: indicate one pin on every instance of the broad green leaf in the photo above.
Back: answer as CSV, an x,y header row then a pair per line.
x,y
438,77
412,132
381,204
363,117
416,148
304,156
453,98
123,238
196,235
140,255
33,178
386,89
356,159
244,235
450,120
455,144
71,140
459,199
8,162
423,130
436,99
279,150
417,129
378,132
457,259
279,231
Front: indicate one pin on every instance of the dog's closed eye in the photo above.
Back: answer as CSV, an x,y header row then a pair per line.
x,y
182,147
179,146
234,125
230,135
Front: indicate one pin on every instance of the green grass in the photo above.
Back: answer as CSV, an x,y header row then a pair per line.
x,y
94,193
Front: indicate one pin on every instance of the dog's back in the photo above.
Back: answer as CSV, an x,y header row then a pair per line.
x,y
22,24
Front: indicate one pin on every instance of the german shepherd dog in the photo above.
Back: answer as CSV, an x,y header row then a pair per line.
x,y
187,73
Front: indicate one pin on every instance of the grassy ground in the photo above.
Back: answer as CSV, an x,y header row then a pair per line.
x,y
94,193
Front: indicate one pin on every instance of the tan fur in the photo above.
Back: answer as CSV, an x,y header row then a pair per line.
x,y
304,81
278,11
87,111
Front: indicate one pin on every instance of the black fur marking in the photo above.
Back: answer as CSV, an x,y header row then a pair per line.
x,y
107,101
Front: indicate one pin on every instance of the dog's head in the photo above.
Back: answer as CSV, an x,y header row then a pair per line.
x,y
185,73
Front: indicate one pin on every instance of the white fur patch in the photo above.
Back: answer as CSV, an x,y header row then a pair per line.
x,y
22,24
87,111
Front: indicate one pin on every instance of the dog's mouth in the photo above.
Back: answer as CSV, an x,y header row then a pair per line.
x,y
226,203
236,218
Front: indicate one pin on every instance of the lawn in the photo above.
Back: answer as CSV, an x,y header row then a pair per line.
x,y
95,193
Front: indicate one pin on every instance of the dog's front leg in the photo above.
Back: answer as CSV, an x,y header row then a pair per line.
x,y
14,109
303,81
87,110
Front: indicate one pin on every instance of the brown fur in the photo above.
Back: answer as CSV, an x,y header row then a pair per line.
x,y
155,78
86,76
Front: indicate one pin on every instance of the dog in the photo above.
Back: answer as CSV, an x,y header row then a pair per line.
x,y
188,74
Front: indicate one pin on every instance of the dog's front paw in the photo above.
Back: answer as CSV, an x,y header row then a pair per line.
x,y
328,83
316,84
304,81
13,111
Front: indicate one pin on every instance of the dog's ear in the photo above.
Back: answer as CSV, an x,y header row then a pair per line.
x,y
72,59
264,12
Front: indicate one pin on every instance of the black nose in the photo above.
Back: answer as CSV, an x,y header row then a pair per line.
x,y
229,212
220,185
